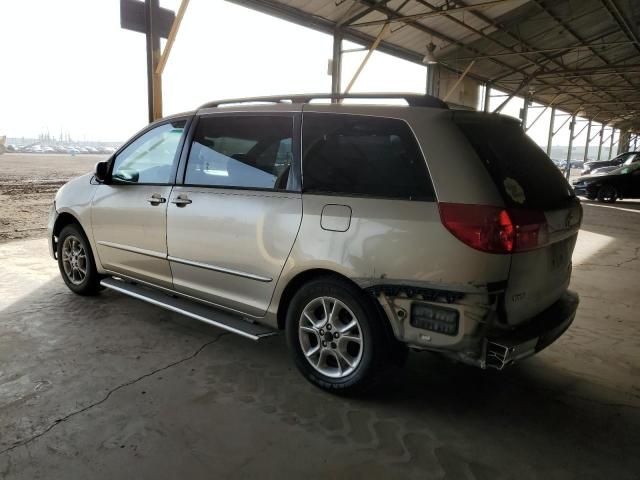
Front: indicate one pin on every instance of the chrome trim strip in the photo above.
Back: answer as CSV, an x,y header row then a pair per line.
x,y
219,269
183,312
127,248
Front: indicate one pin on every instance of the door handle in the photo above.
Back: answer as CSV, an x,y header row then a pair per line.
x,y
156,199
181,201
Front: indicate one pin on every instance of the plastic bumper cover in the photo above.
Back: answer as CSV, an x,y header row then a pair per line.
x,y
506,347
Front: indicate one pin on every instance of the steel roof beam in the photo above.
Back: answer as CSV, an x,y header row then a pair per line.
x,y
617,16
572,32
502,28
395,13
436,11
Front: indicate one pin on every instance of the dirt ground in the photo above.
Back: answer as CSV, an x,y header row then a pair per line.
x,y
28,184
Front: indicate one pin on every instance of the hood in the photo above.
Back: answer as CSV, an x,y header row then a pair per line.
x,y
589,178
76,191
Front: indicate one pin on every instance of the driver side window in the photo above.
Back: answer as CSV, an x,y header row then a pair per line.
x,y
151,158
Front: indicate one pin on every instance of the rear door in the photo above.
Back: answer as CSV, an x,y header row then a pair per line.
x,y
528,181
232,223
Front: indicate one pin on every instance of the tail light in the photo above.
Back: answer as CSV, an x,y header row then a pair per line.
x,y
495,229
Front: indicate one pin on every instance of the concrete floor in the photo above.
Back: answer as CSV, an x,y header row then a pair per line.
x,y
109,387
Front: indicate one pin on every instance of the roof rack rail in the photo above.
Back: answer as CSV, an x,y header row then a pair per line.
x,y
412,99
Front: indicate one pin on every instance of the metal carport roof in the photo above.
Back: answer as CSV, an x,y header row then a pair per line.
x,y
582,56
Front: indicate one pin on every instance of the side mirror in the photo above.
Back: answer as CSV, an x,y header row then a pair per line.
x,y
101,171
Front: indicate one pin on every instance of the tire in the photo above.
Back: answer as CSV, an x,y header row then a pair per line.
x,y
340,365
607,194
75,261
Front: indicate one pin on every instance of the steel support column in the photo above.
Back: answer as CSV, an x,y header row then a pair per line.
x,y
336,64
572,126
551,122
624,142
487,96
525,112
586,147
601,140
154,80
613,131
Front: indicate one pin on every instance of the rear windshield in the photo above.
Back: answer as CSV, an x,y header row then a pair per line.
x,y
524,174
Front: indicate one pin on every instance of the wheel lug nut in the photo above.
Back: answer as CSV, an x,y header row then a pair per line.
x,y
324,344
336,334
329,327
321,332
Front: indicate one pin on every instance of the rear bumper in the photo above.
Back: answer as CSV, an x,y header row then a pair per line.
x,y
506,347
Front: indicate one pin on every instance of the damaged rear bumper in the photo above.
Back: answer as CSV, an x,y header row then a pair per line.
x,y
507,347
477,338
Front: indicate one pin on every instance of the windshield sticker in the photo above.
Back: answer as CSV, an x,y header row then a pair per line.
x,y
514,190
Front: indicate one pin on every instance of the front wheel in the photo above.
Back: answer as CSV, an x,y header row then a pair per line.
x,y
337,337
75,261
608,194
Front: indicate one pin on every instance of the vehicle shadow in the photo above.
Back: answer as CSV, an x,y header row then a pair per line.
x,y
61,352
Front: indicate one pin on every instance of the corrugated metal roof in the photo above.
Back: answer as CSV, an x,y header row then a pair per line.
x,y
584,55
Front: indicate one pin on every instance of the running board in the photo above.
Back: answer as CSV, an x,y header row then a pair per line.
x,y
190,308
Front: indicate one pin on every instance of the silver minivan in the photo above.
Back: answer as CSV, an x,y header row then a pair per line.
x,y
360,230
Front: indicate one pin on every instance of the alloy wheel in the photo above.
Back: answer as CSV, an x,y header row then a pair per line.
x,y
330,337
74,260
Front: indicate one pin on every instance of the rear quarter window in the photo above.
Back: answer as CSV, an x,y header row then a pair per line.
x,y
363,156
524,174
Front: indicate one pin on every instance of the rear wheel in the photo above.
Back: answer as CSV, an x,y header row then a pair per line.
x,y
608,194
337,337
75,261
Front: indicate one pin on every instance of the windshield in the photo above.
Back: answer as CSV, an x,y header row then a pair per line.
x,y
523,173
634,157
623,170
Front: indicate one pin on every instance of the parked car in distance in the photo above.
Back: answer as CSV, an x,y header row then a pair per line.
x,y
614,162
603,170
623,182
347,226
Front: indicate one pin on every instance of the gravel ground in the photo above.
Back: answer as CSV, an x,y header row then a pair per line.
x,y
28,184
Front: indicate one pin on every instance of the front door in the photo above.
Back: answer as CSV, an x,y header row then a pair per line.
x,y
129,211
231,225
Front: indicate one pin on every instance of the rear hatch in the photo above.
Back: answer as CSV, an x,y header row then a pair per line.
x,y
542,206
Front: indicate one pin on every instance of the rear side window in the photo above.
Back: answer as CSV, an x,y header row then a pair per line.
x,y
525,176
241,152
365,156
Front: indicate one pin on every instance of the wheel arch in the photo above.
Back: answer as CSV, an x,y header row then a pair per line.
x,y
298,281
308,275
64,219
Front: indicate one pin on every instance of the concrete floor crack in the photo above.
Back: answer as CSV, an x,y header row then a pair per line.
x,y
632,259
58,421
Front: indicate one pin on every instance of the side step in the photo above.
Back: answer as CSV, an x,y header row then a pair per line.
x,y
192,309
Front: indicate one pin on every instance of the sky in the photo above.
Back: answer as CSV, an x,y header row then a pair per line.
x,y
67,66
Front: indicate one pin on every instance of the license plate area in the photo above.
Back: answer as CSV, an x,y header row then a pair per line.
x,y
560,254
